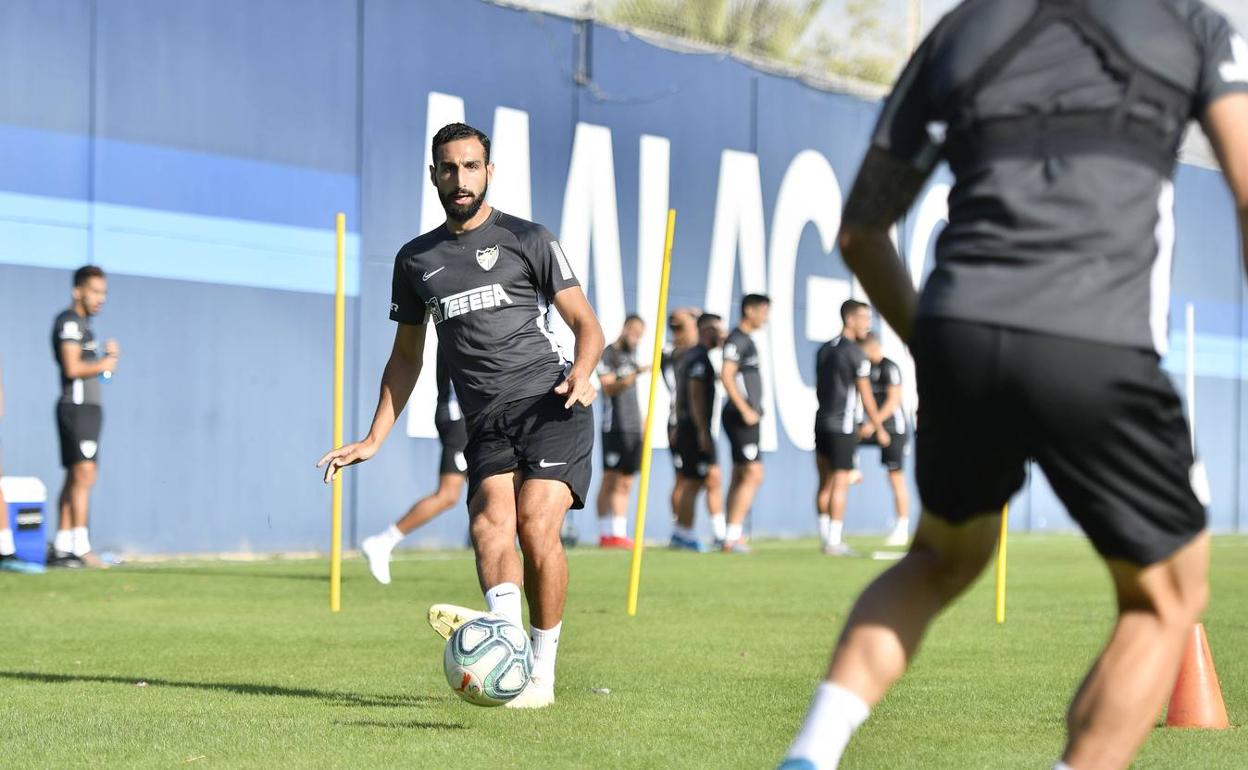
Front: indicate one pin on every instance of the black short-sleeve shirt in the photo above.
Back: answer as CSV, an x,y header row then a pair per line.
x,y
76,330
1073,243
839,364
489,292
620,413
885,375
695,370
740,349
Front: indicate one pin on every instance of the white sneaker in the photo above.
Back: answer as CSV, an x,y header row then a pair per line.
x,y
900,535
378,555
839,549
446,618
539,693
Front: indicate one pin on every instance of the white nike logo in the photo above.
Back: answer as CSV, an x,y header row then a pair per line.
x,y
544,464
432,273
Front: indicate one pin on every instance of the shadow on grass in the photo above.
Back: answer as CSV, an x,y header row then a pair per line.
x,y
402,724
239,688
226,573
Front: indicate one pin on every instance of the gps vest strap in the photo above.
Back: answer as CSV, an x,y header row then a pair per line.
x,y
1146,126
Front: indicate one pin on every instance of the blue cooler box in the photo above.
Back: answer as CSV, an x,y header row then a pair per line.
x,y
26,499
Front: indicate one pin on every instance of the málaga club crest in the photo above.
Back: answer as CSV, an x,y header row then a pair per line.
x,y
487,257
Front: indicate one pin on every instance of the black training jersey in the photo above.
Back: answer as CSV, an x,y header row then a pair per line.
x,y
740,348
1074,235
73,328
621,412
839,365
883,376
694,370
667,365
448,404
489,292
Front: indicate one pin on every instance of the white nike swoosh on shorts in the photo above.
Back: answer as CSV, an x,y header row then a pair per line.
x,y
544,464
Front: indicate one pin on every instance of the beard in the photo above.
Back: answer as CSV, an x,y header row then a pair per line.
x,y
465,212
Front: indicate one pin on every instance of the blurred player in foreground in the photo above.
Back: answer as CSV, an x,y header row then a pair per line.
x,y
886,388
621,432
1040,331
448,418
79,414
487,280
742,413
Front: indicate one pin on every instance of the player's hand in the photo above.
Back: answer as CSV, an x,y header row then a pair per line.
x,y
883,439
751,417
643,369
344,456
577,389
112,349
108,364
865,431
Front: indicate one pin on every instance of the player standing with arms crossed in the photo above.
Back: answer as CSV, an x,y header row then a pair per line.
x,y
79,414
1039,334
621,432
488,280
448,418
743,410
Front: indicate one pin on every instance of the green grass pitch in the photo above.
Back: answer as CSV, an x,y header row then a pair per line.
x,y
245,667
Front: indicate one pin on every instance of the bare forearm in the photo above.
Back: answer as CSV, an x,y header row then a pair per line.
x,y
85,370
871,256
589,345
397,382
869,406
729,381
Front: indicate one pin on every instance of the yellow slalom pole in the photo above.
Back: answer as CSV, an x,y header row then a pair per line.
x,y
643,491
340,343
1001,543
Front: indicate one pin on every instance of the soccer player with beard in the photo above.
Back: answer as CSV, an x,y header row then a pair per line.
x,y
621,432
488,281
742,413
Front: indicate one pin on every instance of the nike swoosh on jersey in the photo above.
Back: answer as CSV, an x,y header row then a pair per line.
x,y
544,464
432,273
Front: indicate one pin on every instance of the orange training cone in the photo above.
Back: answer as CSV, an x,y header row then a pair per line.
x,y
1197,698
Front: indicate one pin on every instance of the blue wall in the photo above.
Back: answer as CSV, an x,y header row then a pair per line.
x,y
198,151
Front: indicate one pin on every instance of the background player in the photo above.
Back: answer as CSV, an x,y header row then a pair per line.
x,y
448,418
79,414
842,383
743,410
886,388
621,432
488,280
1040,331
695,446
683,324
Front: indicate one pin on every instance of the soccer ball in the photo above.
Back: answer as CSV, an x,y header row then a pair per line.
x,y
488,661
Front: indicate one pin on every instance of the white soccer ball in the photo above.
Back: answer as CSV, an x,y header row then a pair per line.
x,y
488,661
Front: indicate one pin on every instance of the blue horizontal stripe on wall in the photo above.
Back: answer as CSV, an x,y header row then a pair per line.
x,y
40,162
43,231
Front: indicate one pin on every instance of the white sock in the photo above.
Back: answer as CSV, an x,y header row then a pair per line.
x,y
719,526
6,542
392,536
825,522
685,533
834,532
734,533
835,713
619,526
1062,766
504,599
605,526
545,648
64,541
82,542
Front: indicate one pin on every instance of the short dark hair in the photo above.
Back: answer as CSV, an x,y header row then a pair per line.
x,y
849,307
708,318
86,273
454,131
634,317
753,300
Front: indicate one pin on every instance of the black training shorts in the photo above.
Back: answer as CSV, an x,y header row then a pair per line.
x,y
621,452
538,437
893,456
691,461
1103,422
454,438
836,448
742,438
79,427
